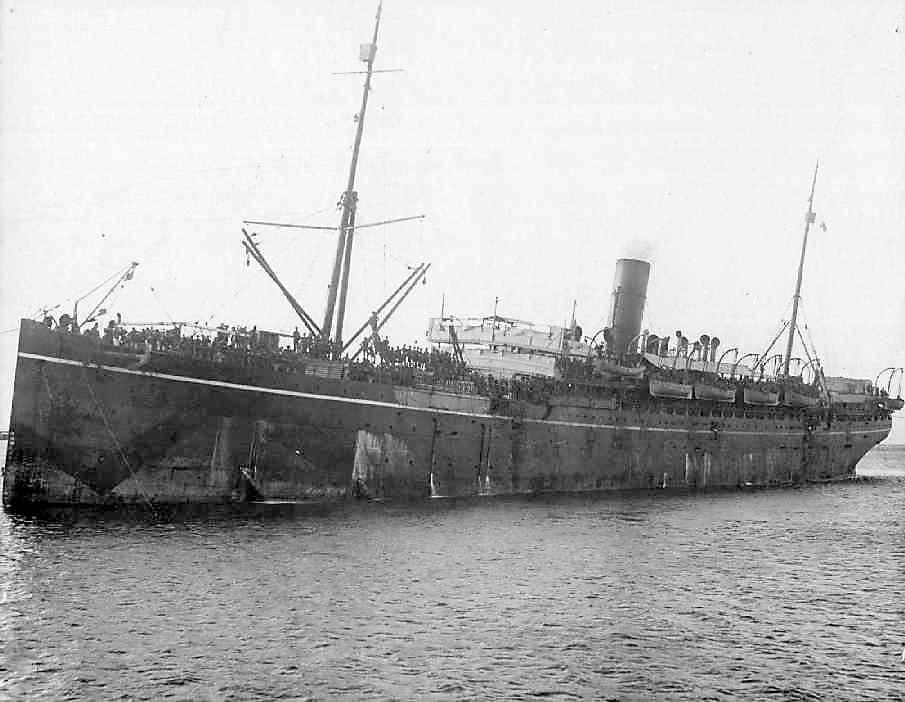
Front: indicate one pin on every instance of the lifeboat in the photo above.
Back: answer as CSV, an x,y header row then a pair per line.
x,y
759,396
799,399
715,393
606,366
665,388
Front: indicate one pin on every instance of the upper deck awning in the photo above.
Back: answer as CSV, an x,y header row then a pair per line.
x,y
503,331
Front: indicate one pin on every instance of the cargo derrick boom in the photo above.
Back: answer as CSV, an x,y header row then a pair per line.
x,y
252,250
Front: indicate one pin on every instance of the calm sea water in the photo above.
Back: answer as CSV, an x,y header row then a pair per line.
x,y
786,594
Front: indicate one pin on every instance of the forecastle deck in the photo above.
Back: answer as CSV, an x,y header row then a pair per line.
x,y
98,425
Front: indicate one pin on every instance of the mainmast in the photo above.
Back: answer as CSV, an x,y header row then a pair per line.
x,y
808,220
348,202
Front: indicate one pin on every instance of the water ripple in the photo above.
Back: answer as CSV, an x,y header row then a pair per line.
x,y
786,595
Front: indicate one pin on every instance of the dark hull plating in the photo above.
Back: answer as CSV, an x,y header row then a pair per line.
x,y
93,425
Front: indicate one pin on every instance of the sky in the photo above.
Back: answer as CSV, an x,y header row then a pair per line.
x,y
542,141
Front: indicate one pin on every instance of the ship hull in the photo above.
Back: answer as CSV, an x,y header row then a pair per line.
x,y
97,427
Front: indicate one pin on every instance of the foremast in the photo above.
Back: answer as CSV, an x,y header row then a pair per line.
x,y
808,220
330,342
348,202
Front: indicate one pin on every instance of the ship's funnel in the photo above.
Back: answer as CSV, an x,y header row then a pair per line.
x,y
627,306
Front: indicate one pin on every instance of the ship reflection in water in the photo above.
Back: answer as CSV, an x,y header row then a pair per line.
x,y
791,593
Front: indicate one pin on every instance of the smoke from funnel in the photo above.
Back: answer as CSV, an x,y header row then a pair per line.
x,y
638,249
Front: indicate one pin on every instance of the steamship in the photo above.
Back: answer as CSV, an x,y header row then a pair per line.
x,y
498,407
